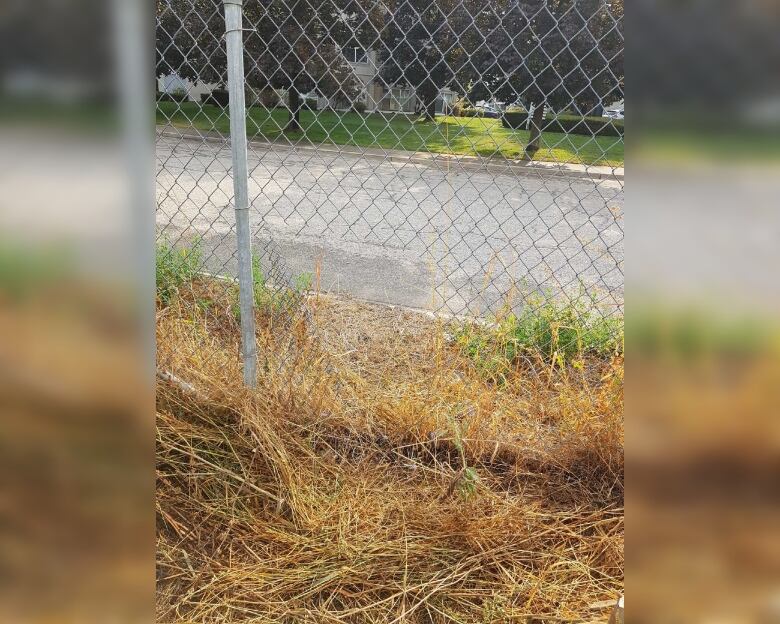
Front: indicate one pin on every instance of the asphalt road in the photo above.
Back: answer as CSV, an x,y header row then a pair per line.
x,y
459,241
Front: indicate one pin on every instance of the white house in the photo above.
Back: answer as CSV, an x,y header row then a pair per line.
x,y
173,83
377,95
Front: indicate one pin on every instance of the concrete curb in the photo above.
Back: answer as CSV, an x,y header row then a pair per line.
x,y
441,162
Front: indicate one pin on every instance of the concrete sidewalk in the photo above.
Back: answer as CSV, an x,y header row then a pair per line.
x,y
443,162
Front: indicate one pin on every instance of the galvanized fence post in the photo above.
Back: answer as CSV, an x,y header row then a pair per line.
x,y
235,66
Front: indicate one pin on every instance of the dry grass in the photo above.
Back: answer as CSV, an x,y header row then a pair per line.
x,y
337,491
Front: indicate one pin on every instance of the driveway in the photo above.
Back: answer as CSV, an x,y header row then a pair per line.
x,y
419,235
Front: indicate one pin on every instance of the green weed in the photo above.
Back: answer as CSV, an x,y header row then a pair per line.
x,y
265,297
268,298
467,479
303,282
560,334
175,267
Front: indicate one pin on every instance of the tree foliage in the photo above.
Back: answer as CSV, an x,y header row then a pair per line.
x,y
563,53
288,44
418,41
558,53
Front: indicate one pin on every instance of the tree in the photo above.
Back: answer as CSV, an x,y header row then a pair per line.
x,y
288,45
551,53
333,77
188,40
569,63
420,47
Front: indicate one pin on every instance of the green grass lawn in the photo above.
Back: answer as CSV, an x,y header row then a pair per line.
x,y
447,135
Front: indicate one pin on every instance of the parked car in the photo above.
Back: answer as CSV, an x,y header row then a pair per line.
x,y
517,107
614,112
488,111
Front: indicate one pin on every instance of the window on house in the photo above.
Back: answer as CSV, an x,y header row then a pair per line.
x,y
399,98
355,55
395,99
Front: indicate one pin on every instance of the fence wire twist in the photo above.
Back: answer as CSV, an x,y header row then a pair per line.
x,y
452,155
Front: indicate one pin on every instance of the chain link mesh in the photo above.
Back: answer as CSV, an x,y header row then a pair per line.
x,y
459,156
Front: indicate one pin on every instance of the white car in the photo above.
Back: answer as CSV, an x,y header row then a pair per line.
x,y
488,111
614,113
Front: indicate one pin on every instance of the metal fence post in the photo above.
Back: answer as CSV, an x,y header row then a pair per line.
x,y
235,66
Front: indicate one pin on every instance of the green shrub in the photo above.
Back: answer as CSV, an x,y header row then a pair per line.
x,y
178,95
175,267
457,108
471,112
567,124
359,107
311,103
218,97
266,98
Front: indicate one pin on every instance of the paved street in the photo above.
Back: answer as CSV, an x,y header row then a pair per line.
x,y
400,232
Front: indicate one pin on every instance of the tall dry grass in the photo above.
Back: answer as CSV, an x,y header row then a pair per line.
x,y
376,476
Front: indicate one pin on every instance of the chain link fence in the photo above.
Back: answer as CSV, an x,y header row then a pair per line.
x,y
460,156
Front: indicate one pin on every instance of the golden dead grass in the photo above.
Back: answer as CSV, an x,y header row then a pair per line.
x,y
337,492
